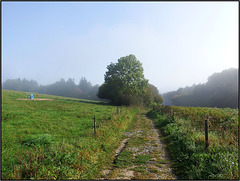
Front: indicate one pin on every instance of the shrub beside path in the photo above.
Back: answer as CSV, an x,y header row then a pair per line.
x,y
141,155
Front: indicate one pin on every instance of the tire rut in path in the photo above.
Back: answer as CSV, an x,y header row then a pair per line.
x,y
141,155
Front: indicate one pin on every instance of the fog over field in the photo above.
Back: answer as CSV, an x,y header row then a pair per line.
x,y
178,43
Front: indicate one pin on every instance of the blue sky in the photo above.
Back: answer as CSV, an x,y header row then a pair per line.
x,y
178,43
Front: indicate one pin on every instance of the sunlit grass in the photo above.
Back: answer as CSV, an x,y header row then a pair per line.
x,y
55,139
185,137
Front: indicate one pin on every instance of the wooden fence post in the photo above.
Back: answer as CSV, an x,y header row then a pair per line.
x,y
206,134
118,110
94,118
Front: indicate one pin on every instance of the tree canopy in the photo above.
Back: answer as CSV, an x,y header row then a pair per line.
x,y
125,83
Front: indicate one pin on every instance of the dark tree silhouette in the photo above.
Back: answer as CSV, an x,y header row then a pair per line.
x,y
221,90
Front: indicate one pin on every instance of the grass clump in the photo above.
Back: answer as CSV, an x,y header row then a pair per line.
x,y
125,158
142,159
38,140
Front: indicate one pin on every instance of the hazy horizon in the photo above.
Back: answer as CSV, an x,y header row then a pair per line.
x,y
178,43
78,80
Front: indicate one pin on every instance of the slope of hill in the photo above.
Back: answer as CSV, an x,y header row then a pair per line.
x,y
55,139
220,91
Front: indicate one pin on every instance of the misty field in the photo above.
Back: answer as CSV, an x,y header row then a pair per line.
x,y
55,139
44,139
184,131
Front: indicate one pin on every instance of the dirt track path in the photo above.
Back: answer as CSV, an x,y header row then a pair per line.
x,y
141,155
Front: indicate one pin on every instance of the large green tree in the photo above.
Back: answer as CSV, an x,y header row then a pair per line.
x,y
124,82
152,95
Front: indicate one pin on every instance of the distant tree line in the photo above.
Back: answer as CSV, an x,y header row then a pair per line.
x,y
125,84
84,90
221,90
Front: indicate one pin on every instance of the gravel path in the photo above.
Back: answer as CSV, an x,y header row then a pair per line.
x,y
141,155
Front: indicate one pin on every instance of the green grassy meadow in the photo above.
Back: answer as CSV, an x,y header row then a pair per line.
x,y
184,133
55,139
